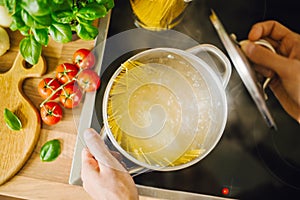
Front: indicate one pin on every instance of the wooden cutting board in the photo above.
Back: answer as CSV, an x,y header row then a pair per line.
x,y
17,146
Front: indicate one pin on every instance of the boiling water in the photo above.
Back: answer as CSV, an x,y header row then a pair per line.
x,y
158,110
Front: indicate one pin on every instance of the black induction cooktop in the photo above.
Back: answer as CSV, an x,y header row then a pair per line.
x,y
250,161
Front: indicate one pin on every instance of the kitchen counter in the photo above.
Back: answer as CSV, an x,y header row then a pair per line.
x,y
37,179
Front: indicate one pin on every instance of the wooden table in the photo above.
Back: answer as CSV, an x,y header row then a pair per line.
x,y
37,179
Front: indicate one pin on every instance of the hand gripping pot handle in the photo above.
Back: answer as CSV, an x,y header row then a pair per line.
x,y
208,52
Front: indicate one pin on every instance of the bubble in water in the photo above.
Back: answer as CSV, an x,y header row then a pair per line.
x,y
170,56
196,84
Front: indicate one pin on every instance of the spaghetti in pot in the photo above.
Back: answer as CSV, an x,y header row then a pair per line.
x,y
158,109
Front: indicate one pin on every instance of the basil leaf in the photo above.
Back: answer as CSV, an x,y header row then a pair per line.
x,y
109,4
45,20
41,36
58,1
10,5
27,18
36,7
92,11
17,21
12,121
50,150
86,31
30,21
30,49
61,32
62,5
25,30
63,17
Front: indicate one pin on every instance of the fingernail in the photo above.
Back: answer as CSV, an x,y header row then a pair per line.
x,y
247,46
85,150
256,32
89,133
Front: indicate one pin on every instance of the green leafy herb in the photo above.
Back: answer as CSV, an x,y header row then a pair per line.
x,y
61,32
109,4
36,7
30,21
17,22
92,11
50,150
9,4
86,31
64,17
37,19
30,49
12,121
41,35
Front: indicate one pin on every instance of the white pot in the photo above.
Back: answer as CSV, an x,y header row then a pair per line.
x,y
165,109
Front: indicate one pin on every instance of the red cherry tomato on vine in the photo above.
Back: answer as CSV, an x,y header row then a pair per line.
x,y
70,96
47,86
88,80
66,72
84,59
51,113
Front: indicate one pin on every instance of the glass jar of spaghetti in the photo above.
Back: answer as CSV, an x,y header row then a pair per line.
x,y
158,14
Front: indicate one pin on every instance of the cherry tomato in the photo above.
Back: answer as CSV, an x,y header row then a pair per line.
x,y
66,72
70,96
88,80
51,113
84,59
47,86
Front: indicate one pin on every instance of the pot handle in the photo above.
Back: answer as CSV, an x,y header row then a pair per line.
x,y
132,168
267,45
202,51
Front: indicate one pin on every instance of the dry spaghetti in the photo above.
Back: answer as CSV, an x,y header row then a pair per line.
x,y
158,14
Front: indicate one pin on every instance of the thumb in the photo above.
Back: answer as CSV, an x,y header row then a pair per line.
x,y
99,150
89,165
262,56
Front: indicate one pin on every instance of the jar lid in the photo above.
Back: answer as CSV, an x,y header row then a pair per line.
x,y
244,69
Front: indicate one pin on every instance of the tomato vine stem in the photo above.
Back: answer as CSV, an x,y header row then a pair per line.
x,y
60,88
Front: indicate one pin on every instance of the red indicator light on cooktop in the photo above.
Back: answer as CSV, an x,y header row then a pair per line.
x,y
225,191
